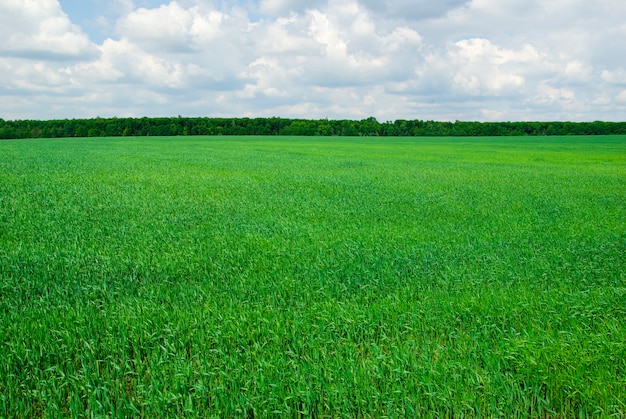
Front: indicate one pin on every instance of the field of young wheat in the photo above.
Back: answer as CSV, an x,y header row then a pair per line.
x,y
287,276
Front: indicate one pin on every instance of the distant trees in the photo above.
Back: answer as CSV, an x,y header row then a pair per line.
x,y
115,127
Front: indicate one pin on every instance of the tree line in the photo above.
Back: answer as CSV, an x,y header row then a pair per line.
x,y
174,126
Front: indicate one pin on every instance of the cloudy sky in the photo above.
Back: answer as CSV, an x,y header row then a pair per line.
x,y
413,59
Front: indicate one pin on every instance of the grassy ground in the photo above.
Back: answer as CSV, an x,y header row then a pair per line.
x,y
249,276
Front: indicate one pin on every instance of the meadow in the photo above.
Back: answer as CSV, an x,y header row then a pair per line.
x,y
313,277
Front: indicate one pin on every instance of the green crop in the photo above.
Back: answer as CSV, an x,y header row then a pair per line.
x,y
258,276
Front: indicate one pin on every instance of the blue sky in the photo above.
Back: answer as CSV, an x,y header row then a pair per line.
x,y
415,59
91,15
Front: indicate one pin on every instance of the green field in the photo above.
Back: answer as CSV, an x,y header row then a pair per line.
x,y
286,276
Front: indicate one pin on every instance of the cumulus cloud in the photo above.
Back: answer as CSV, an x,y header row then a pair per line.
x,y
615,77
453,59
39,29
171,27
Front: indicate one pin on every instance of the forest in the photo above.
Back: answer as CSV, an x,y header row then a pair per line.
x,y
174,126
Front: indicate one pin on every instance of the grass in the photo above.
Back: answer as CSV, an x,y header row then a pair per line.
x,y
343,277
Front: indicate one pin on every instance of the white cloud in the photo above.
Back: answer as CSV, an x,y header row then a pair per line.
x,y
327,35
617,76
578,70
39,29
266,76
549,95
170,27
483,68
286,35
621,97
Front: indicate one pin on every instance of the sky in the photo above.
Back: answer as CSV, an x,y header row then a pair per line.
x,y
470,60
